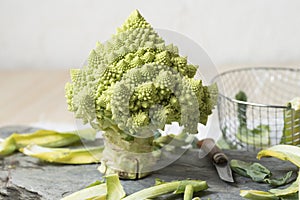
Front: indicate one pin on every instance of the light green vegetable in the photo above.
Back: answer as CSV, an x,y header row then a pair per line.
x,y
279,181
290,197
95,183
98,191
97,198
45,138
259,136
7,146
111,190
258,195
115,190
258,172
222,143
188,192
293,188
134,84
291,130
174,140
283,152
176,186
255,171
158,181
135,67
242,108
65,155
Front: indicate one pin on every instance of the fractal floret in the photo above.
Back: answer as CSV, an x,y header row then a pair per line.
x,y
134,84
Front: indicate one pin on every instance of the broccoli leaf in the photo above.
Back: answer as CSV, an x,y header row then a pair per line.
x,y
279,181
64,155
259,136
45,138
255,171
283,152
258,195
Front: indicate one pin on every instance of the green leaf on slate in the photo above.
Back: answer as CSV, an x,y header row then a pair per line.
x,y
255,171
293,188
290,197
258,195
279,181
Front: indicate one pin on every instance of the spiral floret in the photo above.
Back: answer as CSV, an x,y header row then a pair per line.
x,y
135,82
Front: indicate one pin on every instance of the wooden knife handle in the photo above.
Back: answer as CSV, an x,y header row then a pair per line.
x,y
208,145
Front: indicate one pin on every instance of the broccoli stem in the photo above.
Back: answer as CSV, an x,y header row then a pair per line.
x,y
165,188
242,108
188,192
130,159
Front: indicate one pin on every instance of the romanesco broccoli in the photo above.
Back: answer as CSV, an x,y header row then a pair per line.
x,y
134,81
131,86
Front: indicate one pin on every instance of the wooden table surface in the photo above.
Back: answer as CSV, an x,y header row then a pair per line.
x,y
32,96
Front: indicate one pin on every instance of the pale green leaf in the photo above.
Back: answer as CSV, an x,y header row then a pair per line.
x,y
279,181
115,190
293,188
258,195
65,155
88,193
283,152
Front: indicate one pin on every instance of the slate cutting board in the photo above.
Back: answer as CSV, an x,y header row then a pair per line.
x,y
23,177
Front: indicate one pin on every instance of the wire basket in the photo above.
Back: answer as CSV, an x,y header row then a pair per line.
x,y
268,91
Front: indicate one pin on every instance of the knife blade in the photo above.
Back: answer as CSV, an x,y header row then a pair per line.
x,y
218,158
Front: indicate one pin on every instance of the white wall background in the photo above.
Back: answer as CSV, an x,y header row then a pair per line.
x,y
60,33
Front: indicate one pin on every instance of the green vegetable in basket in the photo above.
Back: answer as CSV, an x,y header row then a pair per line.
x,y
260,135
291,130
242,108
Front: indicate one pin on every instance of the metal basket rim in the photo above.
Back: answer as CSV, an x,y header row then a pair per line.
x,y
248,69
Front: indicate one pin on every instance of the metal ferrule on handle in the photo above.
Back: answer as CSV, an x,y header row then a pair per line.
x,y
208,145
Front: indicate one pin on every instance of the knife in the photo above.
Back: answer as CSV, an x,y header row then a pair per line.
x,y
218,158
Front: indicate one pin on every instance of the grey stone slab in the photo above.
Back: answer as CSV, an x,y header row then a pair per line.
x,y
23,177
